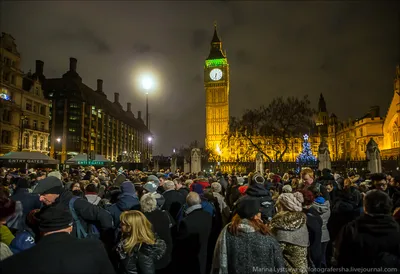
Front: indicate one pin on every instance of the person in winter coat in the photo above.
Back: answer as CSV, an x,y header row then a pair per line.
x,y
57,249
373,239
314,227
162,223
139,248
290,229
173,199
307,174
127,200
192,240
257,191
224,211
52,193
91,194
247,234
181,187
29,201
201,180
345,208
323,209
151,187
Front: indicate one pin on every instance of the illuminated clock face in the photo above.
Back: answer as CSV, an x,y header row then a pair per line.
x,y
216,74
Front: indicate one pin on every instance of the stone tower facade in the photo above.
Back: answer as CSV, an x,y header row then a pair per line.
x,y
216,85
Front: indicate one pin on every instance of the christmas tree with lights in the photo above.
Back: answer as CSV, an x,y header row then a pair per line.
x,y
306,157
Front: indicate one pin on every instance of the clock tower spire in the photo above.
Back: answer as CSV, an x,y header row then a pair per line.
x,y
216,85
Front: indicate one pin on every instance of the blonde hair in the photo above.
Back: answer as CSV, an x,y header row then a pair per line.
x,y
136,229
307,171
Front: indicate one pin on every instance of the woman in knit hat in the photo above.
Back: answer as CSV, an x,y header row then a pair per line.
x,y
246,234
289,228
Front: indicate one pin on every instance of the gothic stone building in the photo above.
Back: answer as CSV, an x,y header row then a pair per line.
x,y
347,140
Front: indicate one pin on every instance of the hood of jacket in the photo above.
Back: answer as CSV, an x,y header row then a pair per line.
x,y
160,200
285,220
321,208
93,198
377,225
257,190
127,201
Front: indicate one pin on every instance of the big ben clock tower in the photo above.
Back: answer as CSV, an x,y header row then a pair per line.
x,y
216,84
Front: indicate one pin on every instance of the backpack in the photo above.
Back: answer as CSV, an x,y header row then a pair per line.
x,y
93,232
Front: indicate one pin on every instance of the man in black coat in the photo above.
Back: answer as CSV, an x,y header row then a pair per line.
x,y
372,240
58,251
257,191
52,194
173,199
192,241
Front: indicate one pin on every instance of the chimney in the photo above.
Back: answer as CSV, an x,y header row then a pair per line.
x,y
39,67
128,107
139,114
374,111
99,85
72,64
116,97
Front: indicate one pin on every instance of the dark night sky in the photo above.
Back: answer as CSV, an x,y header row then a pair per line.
x,y
347,51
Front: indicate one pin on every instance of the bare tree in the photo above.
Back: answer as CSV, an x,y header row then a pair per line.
x,y
273,125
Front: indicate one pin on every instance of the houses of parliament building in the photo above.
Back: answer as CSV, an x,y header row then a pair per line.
x,y
347,140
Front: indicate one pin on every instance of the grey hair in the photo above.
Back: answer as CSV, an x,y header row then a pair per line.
x,y
169,185
148,202
188,182
193,199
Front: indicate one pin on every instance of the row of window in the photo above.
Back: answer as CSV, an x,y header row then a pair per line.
x,y
35,107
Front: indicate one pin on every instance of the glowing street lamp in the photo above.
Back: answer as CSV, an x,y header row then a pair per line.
x,y
58,139
148,84
149,139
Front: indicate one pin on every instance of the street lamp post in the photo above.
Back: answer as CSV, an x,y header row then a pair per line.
x,y
57,147
147,85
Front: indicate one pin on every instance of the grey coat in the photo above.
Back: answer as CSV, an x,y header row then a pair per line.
x,y
248,252
324,211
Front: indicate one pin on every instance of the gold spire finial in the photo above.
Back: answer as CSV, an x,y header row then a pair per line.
x,y
215,23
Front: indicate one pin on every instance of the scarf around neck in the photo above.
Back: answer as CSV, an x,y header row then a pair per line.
x,y
192,208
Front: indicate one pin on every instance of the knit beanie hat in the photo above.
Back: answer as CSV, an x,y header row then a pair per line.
x,y
248,208
287,189
55,218
243,189
150,187
198,188
241,180
291,201
216,187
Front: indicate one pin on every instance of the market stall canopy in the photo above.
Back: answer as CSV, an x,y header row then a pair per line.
x,y
82,160
26,157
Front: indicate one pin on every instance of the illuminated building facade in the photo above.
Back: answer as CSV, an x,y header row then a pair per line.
x,y
84,121
347,140
24,111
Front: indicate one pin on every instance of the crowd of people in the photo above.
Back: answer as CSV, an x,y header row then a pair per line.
x,y
105,221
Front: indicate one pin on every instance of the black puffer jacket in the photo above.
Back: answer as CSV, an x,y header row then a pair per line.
x,y
260,193
143,258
